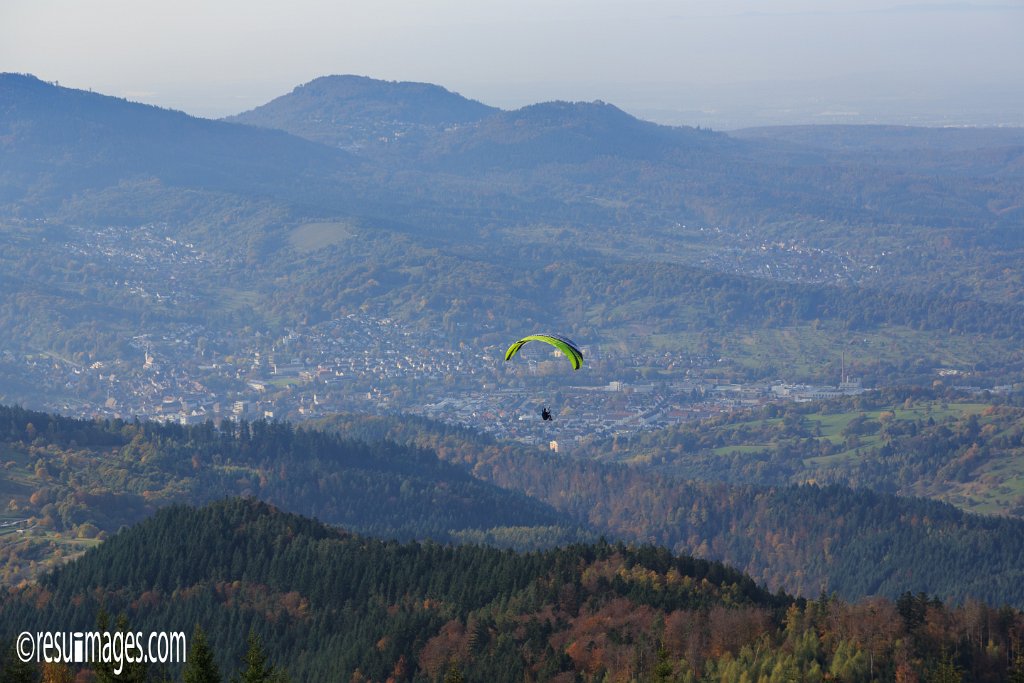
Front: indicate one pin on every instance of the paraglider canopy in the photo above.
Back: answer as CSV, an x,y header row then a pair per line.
x,y
566,346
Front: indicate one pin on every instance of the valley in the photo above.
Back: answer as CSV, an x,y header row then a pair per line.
x,y
793,450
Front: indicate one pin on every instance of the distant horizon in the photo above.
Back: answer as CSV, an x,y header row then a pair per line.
x,y
740,118
723,65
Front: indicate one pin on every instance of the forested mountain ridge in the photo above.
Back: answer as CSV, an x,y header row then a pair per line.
x,y
70,483
58,142
587,134
66,484
805,539
329,604
697,299
578,151
556,155
350,603
440,129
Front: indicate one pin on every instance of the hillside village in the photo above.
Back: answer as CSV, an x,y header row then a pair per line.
x,y
360,363
190,371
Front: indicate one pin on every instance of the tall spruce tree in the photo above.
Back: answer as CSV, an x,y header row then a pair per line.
x,y
200,667
13,670
257,668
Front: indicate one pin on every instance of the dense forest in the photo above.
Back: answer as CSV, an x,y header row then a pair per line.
x,y
804,538
71,483
74,482
321,604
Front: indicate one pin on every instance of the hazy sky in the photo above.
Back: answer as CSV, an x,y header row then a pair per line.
x,y
717,62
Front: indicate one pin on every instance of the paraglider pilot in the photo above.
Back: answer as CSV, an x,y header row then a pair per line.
x,y
545,413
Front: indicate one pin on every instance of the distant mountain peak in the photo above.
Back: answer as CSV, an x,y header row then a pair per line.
x,y
11,77
561,132
356,111
350,85
59,141
597,110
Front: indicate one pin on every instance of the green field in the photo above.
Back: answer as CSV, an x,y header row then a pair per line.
x,y
234,299
315,236
282,382
917,448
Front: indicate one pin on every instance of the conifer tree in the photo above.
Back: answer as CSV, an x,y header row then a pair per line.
x,y
13,670
1016,673
200,667
106,672
663,669
257,668
454,675
946,671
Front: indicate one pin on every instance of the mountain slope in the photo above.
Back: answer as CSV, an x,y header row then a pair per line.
x,y
804,539
568,133
328,605
99,476
327,602
355,111
592,154
57,142
583,164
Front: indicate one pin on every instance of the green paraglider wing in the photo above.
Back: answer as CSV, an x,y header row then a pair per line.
x,y
566,346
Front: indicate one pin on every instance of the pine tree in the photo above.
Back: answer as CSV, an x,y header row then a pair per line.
x,y
200,667
1016,673
454,675
946,671
663,669
106,672
257,668
16,671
